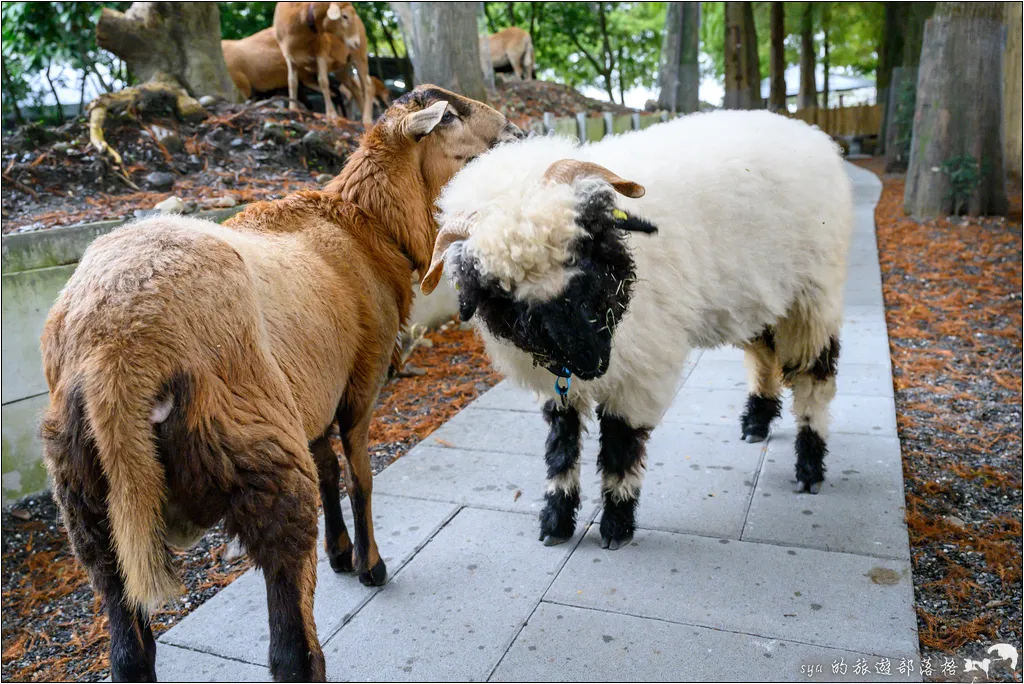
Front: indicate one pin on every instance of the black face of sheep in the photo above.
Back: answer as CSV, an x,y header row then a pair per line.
x,y
571,332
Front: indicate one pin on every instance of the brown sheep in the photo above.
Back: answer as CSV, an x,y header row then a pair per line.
x,y
195,370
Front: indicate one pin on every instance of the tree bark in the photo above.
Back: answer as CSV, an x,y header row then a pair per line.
x,y
445,46
173,42
959,113
900,115
777,78
917,14
679,75
890,55
742,67
1012,87
808,86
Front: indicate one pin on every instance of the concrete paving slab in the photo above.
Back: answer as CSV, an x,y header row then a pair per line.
x,y
854,379
860,508
452,612
485,479
511,432
175,664
507,396
234,623
850,414
566,644
835,600
699,480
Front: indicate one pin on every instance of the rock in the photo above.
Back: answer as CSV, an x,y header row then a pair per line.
x,y
169,139
191,206
61,148
237,142
955,521
21,514
194,159
324,178
208,100
273,131
144,213
160,180
225,202
171,205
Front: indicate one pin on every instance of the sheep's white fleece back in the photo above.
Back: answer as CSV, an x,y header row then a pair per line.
x,y
753,212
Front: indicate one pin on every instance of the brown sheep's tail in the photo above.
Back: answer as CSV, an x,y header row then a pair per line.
x,y
119,406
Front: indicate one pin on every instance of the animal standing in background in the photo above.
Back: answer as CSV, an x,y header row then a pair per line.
x,y
323,38
753,213
513,47
195,370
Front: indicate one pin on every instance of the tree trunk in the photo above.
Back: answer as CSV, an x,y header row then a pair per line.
x,y
959,114
742,68
777,78
808,86
900,115
826,18
445,49
486,65
173,42
890,55
1012,86
606,48
679,75
913,31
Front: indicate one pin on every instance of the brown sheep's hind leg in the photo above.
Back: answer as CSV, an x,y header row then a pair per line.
x,y
274,514
359,480
336,540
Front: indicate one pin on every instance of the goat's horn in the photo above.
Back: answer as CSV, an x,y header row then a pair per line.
x,y
568,170
452,232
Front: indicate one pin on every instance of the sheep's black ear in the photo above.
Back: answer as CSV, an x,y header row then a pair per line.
x,y
626,221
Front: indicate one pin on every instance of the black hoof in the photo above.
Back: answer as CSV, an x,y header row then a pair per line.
x,y
558,518
375,576
810,460
757,418
614,544
618,523
809,488
341,561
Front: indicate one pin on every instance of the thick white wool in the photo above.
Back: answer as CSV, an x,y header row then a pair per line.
x,y
753,213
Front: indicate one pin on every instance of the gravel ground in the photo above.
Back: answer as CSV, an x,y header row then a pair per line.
x,y
50,629
952,292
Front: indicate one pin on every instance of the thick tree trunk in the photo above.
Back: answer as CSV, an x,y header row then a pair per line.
x,y
808,87
742,68
890,55
777,77
913,31
679,75
171,42
959,114
444,47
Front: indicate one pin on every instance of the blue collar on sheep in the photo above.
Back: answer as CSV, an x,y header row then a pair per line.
x,y
573,330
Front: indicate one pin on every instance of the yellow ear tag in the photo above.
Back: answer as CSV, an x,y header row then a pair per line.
x,y
619,214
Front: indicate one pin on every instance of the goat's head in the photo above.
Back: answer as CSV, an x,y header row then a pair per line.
x,y
448,131
549,269
342,21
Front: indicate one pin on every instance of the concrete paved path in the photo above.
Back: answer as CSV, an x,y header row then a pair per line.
x,y
732,576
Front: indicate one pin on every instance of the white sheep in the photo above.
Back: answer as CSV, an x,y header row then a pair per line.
x,y
753,214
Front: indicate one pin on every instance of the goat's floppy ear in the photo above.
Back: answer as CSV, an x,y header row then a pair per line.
x,y
568,170
421,123
452,232
334,12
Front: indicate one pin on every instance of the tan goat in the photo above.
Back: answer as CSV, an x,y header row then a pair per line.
x,y
513,47
323,37
195,371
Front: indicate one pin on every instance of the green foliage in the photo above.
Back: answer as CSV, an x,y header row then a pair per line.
x,y
242,19
569,41
903,117
965,176
854,29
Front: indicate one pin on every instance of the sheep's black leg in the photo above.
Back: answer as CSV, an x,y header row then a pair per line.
x,y
622,461
273,512
562,454
359,480
336,539
765,381
813,391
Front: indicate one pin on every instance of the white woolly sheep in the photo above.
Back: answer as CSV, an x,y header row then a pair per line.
x,y
752,213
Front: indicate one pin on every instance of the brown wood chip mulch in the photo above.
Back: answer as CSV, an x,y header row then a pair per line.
x,y
51,629
952,290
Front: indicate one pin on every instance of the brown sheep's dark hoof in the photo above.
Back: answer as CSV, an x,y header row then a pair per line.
x,y
375,576
341,561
